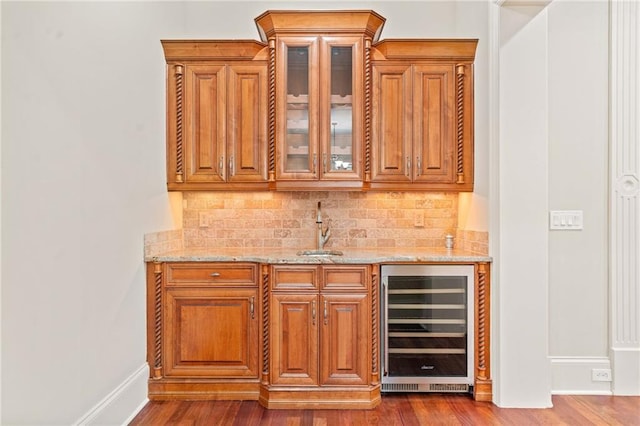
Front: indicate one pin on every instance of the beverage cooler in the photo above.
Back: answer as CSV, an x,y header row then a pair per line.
x,y
427,328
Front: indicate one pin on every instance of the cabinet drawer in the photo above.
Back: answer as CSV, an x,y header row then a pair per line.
x,y
286,277
212,274
345,278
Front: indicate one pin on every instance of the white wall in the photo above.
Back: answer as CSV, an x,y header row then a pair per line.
x,y
82,181
522,375
552,286
578,157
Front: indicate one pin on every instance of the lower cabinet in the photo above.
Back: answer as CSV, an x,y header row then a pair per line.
x,y
203,330
320,338
290,336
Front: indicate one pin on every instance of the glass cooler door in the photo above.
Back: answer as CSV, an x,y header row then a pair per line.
x,y
427,326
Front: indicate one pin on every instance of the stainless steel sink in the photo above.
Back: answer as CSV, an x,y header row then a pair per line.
x,y
320,253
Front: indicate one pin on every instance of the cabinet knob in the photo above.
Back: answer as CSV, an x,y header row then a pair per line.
x,y
215,274
252,307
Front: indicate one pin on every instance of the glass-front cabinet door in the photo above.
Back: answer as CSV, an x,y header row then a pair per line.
x,y
298,131
319,130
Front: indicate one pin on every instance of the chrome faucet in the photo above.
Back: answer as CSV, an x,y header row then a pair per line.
x,y
321,236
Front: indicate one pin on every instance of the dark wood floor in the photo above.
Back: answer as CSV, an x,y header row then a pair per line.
x,y
400,409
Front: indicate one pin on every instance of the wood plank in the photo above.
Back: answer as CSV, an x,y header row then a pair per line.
x,y
401,410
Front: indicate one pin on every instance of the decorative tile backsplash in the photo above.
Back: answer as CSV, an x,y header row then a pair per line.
x,y
288,219
162,242
473,241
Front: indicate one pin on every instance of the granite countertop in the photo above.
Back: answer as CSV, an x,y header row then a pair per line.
x,y
350,256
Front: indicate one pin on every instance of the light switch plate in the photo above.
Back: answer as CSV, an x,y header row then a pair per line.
x,y
565,220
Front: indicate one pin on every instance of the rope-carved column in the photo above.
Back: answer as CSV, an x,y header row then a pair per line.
x,y
265,324
157,331
179,121
272,110
375,329
483,386
367,111
460,70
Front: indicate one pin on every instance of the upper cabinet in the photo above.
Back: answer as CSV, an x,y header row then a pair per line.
x,y
320,103
216,115
422,118
319,97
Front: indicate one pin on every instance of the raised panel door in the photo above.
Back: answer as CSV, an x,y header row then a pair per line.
x,y
433,120
294,343
345,337
211,332
204,110
247,123
391,129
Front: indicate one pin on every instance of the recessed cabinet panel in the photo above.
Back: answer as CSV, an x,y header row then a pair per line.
x,y
195,343
205,112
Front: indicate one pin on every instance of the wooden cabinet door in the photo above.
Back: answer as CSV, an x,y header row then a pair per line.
x,y
345,339
211,332
433,119
294,339
247,123
204,111
391,129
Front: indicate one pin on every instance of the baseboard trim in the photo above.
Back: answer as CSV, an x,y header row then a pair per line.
x,y
572,376
122,404
626,376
